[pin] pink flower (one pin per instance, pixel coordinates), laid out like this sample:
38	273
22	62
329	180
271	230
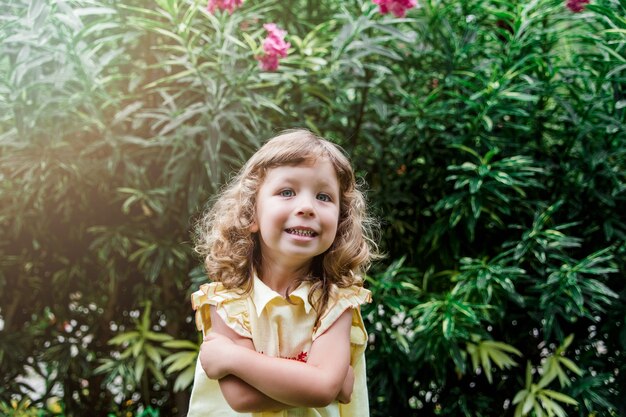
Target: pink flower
397	7
229	5
274	46
576	6
268	62
275	43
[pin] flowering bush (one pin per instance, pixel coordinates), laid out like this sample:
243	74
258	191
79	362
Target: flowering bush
508	117
274	47
397	7
229	5
576	6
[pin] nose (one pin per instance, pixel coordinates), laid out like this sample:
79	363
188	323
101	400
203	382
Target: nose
305	207
306	211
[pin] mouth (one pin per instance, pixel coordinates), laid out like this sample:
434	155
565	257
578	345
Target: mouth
301	232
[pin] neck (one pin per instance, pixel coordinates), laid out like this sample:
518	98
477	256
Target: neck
280	277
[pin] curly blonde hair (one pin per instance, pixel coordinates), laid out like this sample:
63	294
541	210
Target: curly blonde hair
231	251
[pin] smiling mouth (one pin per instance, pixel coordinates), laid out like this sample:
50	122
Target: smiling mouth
301	232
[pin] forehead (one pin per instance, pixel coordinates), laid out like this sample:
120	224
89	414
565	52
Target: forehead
320	172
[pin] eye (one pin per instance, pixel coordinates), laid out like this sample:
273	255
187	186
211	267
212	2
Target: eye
286	193
324	197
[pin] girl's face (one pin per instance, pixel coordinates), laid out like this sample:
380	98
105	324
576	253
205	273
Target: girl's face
297	213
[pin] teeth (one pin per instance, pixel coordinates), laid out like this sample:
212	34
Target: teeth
301	232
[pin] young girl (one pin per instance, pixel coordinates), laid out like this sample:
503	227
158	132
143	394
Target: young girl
285	244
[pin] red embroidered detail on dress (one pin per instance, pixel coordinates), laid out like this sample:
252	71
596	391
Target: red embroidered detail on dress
301	357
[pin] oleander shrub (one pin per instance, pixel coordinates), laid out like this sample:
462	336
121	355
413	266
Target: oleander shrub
491	135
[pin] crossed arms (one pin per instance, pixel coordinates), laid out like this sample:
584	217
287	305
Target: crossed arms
251	381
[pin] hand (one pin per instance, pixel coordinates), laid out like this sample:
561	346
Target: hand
215	352
346	389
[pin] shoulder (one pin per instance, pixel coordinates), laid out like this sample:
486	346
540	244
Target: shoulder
230	303
352	296
340	300
215	293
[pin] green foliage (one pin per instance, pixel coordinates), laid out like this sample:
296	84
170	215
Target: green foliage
147	412
20	408
182	364
484	187
538	399
486	352
142	356
491	134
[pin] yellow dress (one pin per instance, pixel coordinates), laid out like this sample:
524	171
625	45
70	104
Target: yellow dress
281	328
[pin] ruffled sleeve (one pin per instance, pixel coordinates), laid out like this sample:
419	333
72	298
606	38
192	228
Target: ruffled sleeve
229	304
342	299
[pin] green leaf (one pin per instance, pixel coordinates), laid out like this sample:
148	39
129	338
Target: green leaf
136	348
486	364
529	403
152	354
140	366
571	366
250	41
520	396
158	337
179	361
447	327
184	380
181	344
560	397
519	96
123	338
125	112
158	374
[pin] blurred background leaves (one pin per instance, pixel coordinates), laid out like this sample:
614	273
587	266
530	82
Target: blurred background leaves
491	135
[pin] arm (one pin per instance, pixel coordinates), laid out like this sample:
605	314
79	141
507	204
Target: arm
315	383
345	394
238	394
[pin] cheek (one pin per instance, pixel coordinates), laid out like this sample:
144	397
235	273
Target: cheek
333	223
336	217
337	223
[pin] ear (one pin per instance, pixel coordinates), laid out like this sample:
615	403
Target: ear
254	227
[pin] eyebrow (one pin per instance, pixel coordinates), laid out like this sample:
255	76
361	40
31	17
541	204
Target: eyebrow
323	185
328	184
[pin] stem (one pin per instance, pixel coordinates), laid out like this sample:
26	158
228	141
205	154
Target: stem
361	111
